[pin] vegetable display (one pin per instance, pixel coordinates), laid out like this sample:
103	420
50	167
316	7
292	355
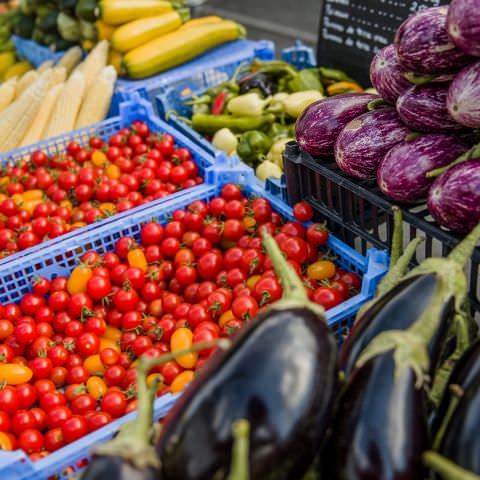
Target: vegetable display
45	196
431	75
201	276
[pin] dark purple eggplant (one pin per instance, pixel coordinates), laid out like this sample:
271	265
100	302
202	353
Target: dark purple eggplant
402	173
423	45
461	442
387	75
424	108
454	198
463	99
280	375
398	309
379	430
463	25
364	142
319	125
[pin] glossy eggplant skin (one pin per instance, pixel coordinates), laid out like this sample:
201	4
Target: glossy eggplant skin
465	374
103	467
281	375
398	309
379	429
461	442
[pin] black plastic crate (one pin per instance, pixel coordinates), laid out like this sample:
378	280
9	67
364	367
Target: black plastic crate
360	215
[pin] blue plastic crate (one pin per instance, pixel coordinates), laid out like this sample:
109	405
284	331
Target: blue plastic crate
35	53
134	109
211	68
62	256
172	99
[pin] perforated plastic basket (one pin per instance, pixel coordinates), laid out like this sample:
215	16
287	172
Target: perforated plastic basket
35	53
135	109
60	257
172	99
211	68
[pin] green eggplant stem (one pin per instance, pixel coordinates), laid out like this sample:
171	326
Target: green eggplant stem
374	104
443	427
397	238
418	79
240	469
446	468
294	293
474	152
464	250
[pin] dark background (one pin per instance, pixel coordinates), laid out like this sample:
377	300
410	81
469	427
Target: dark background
282	21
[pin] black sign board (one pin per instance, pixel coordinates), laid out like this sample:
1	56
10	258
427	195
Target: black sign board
352	31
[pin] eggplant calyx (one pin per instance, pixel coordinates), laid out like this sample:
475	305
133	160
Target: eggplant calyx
377	103
418	79
240	469
471	154
294	294
447	469
409	352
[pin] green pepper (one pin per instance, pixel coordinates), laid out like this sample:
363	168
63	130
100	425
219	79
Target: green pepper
205	123
306	80
253	145
278	131
333	74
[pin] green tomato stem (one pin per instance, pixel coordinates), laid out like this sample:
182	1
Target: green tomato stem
446	468
240	469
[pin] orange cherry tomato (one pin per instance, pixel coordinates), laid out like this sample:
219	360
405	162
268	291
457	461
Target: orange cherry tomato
181	339
99	159
112	333
96	387
249	224
14	374
181	381
77	282
113	171
136	258
94	365
109	343
252	281
5	442
226	317
321	270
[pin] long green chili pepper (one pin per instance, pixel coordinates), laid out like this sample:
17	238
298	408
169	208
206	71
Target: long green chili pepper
410	346
240	469
446	468
334	75
204	123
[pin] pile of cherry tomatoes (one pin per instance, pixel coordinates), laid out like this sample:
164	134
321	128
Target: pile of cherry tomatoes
69	348
43	197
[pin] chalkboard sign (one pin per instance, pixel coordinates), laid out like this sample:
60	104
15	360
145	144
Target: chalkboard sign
352	31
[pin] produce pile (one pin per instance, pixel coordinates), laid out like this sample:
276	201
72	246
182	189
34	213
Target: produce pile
45	196
419	143
253	114
200	277
54	99
388	405
147	36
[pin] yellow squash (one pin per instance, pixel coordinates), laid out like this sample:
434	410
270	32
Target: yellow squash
116	12
136	33
179	47
201	21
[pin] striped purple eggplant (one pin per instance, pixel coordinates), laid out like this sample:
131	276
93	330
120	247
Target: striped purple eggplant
319	125
454	199
387	75
402	173
463	25
364	142
423	45
424	108
463	99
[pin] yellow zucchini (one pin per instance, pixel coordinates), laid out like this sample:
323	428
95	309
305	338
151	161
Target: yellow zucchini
136	33
179	47
116	12
201	21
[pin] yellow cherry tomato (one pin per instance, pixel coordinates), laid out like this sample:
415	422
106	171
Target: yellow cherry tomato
99	159
14	374
136	258
27	196
181	381
76	225
30	205
321	270
109	343
96	387
5	442
67	204
2	196
250	224
181	339
77	282
4	181
151	378
252	281
226	317
113	172
108	208
94	365
112	333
